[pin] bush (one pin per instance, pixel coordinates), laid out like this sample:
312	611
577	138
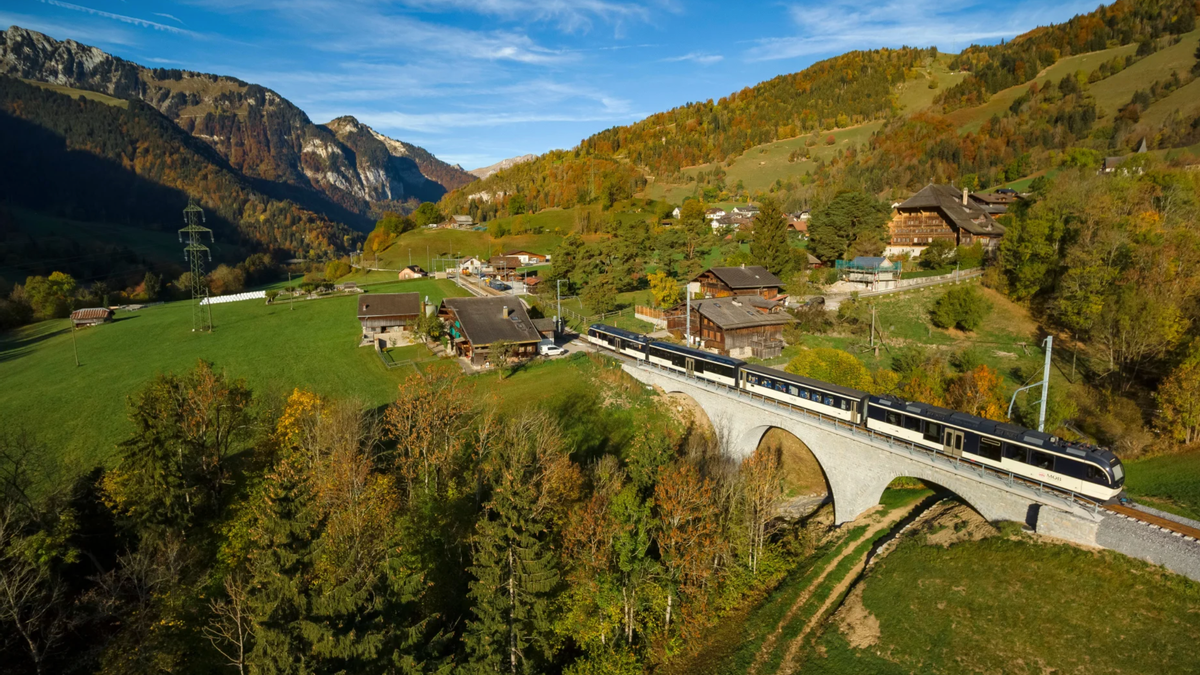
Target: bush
964	308
336	269
936	255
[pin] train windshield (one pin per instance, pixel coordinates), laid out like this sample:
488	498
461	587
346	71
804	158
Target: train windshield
1118	472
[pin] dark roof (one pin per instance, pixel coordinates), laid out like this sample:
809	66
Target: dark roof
415	268
92	313
389	304
870	261
948	200
544	324
482	319
519	252
731	313
505	261
747	276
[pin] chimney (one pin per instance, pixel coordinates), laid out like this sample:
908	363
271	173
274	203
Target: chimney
743	265
964	195
504	312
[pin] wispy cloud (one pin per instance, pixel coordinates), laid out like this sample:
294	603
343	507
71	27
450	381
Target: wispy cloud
835	27
132	20
168	16
697	57
447	122
570	15
103	35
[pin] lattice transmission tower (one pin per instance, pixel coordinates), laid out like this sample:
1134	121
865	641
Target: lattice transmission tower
195	252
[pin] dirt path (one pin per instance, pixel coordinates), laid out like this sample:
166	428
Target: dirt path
768	645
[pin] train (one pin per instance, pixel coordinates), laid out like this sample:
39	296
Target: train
1080	468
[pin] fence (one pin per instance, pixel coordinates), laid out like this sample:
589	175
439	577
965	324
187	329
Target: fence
236	297
653	315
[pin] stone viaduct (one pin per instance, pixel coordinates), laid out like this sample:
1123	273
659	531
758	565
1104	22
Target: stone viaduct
858	466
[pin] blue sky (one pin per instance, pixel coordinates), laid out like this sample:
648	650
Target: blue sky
475	81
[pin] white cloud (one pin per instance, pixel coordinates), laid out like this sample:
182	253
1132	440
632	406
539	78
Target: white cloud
141	23
570	15
103	35
843	25
697	57
168	16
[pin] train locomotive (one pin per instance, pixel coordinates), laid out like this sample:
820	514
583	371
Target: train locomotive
1080	468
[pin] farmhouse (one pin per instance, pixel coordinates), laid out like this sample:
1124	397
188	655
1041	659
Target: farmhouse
475	324
714	213
92	316
733	326
720	282
505	266
388	316
941	212
411	272
461	222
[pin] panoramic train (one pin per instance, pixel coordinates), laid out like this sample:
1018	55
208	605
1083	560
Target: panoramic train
1081	468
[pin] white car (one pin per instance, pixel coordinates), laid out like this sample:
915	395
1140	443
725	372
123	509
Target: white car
548	348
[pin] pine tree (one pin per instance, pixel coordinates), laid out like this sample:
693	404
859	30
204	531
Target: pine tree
515	568
770	247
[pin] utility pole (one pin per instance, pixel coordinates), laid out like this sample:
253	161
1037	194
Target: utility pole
74	345
687	293
291	293
1045	383
194	253
558	291
872	326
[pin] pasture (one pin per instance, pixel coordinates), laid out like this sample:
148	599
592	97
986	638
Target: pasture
80	412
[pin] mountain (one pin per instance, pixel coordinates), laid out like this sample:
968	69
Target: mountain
486	171
259	132
124	163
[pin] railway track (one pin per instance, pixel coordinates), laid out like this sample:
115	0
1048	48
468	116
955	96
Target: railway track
1152	520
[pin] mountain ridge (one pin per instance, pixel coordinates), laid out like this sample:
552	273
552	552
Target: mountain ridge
485	171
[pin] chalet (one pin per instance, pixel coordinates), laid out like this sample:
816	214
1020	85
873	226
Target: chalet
720	282
733	326
388	316
798	221
92	316
475	324
412	272
505	266
528	258
723	222
941	212
995	203
714	213
461	222
747	211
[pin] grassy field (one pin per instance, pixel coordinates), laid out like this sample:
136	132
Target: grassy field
75	93
1185	100
424	244
81	413
1115	91
1015	605
759	167
915	95
1168	483
970	119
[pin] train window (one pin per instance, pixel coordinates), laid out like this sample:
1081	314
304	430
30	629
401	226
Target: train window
1015	453
1095	474
780	386
933	432
892	418
958	438
793	391
989	449
828	400
804	394
1042	460
767	383
753	379
912	423
845	404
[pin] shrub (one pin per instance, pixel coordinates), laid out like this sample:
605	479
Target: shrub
964	308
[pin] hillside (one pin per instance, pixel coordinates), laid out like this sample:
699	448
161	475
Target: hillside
485	171
90	161
256	130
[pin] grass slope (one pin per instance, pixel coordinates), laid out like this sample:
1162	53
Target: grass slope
75	93
81	413
1115	91
1014	605
1169	483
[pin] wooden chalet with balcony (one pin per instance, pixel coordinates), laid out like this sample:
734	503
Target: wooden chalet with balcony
941	212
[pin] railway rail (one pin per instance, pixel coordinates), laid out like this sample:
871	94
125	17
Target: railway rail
1179	529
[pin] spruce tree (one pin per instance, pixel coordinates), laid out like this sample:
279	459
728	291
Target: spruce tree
770	247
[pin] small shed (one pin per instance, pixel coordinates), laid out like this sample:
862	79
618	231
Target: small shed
92	316
388	312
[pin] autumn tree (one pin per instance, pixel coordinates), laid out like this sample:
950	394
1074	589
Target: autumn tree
770	247
515	569
761	489
50	296
428	422
687	534
978	392
665	290
175	466
225	280
1179	397
427	214
831	365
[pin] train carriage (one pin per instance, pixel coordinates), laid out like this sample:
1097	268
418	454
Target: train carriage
621	341
1084	469
836	401
695	362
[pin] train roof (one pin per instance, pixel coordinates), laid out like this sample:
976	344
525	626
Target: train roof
619	332
806	381
698	353
1011	432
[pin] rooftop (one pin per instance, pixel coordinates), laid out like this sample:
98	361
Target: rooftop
948	200
746	276
389	304
482	319
731	313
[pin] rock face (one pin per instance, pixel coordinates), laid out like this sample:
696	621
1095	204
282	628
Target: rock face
486	171
256	130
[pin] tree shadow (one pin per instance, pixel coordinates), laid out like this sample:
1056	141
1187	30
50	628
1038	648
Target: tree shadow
13	346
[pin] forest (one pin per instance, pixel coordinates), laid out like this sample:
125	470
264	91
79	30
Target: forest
241	533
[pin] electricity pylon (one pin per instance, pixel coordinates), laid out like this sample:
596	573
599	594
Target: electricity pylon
195	252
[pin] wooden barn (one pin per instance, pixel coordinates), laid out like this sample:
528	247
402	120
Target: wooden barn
381	313
721	282
737	326
92	316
